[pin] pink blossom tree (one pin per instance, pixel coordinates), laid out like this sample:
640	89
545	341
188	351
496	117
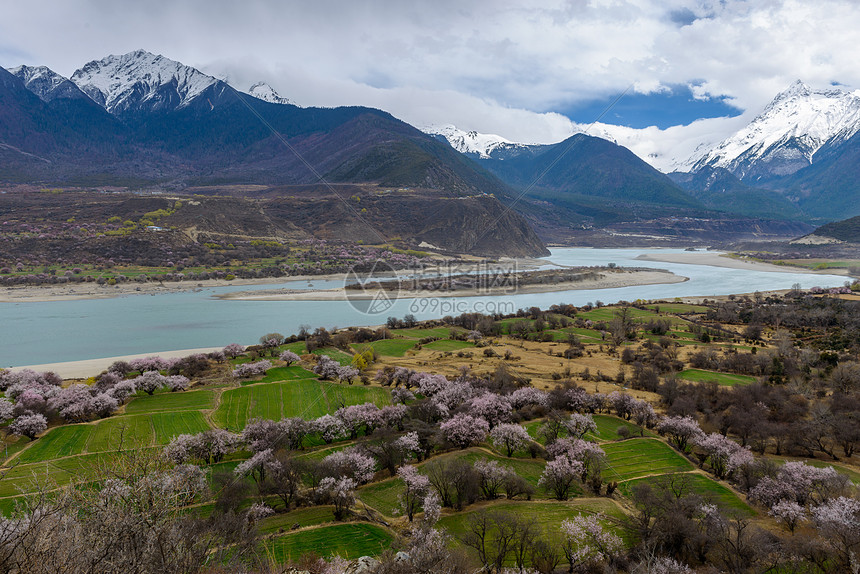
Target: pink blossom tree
680	430
247	370
789	513
724	454
409	445
429	385
492	476
122	390
262	434
589	455
352	463
838	523
416	486
340	492
6	410
455	394
346	373
103	404
233	350
587	543
528	396
560	475
365	416
491	407
464	430
326	367
801	483
393	415
257	466
289	357
330	428
401	395
511	437
578	425
29	425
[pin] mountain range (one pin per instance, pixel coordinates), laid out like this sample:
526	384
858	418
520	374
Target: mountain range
797	159
141	120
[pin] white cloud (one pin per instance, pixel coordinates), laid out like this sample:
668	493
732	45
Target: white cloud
500	68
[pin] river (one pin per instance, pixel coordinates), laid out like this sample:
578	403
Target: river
58	331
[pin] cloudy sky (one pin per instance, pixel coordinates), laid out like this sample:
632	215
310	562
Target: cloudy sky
527	70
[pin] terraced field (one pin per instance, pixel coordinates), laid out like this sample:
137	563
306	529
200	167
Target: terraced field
129	431
348	541
727	379
548	514
304	398
382	496
712	491
185	401
441	332
607	428
640	457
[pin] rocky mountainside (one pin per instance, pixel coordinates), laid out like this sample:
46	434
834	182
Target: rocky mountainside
142	82
47	84
140	120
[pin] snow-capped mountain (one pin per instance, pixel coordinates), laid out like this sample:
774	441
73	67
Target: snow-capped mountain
473	143
491	146
265	92
46	83
141	81
784	138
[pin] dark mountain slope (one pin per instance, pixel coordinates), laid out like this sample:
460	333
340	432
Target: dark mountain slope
719	189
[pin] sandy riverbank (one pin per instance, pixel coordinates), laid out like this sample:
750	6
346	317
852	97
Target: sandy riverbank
92	367
609	280
718	259
80	291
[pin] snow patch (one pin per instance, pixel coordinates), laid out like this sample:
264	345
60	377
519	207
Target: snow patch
265	92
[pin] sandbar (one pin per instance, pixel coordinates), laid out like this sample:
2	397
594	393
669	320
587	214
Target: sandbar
609	280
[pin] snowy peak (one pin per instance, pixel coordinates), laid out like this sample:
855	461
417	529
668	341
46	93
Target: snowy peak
471	142
786	135
46	83
265	92
141	81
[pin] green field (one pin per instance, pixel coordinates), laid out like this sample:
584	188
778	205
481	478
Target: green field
448	345
607	428
711	490
382	496
387	347
304	398
548	514
301	516
677	308
291	373
529	469
636	458
349	541
335	354
113	433
185	401
606	314
702	376
441	332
